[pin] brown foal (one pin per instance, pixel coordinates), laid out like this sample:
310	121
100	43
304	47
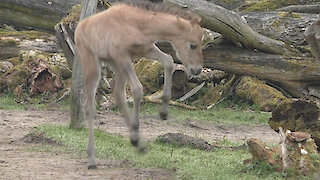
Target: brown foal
127	31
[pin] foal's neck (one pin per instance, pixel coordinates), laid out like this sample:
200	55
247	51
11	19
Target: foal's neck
167	27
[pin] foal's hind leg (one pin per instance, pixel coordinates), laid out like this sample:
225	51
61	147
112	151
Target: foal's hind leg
167	62
91	76
125	72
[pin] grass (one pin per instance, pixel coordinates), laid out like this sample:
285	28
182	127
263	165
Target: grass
12	102
227	113
220	115
187	163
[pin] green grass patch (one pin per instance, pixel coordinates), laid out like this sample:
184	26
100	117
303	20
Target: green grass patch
227	113
186	162
221	115
12	102
8	102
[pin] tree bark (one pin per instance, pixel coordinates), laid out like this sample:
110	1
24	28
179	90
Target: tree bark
65	39
77	95
230	25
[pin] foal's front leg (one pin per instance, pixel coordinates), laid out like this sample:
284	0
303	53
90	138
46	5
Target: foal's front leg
167	62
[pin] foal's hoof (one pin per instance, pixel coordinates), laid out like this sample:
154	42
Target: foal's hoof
134	142
163	116
141	149
93	167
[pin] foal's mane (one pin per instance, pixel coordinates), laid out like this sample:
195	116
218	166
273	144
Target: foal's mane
163	8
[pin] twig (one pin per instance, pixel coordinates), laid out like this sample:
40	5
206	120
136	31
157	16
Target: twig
65	94
284	150
152	99
191	92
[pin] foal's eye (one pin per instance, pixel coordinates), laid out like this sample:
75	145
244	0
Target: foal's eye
193	46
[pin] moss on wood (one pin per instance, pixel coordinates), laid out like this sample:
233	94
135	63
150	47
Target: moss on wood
74	15
261	94
298	115
289	14
29	35
216	93
149	73
33	69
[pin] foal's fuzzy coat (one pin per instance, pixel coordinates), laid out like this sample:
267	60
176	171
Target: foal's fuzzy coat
127	31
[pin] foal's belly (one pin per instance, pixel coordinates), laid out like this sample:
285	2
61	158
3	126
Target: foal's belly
138	50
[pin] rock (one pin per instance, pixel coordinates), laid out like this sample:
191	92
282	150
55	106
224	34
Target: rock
180	139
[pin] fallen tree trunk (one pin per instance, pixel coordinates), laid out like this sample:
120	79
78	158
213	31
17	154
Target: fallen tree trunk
230	25
299	77
284	26
34	14
296	76
312	8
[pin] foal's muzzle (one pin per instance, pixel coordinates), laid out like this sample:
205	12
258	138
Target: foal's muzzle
195	70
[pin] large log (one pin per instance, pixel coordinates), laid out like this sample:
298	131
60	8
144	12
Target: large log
230	25
297	76
312	8
34	14
287	27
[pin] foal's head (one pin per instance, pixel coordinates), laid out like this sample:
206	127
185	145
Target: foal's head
189	46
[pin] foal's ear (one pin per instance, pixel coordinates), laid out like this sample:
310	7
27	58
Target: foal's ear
181	24
196	20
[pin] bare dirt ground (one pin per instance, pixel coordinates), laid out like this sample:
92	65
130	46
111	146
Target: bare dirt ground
18	163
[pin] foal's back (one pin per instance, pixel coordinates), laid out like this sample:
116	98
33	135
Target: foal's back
117	28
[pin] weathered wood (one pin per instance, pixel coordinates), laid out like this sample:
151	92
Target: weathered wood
312	34
77	94
34	14
155	98
191	92
296	75
298	115
65	39
284	26
12	42
297	149
311	8
260	153
230	25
